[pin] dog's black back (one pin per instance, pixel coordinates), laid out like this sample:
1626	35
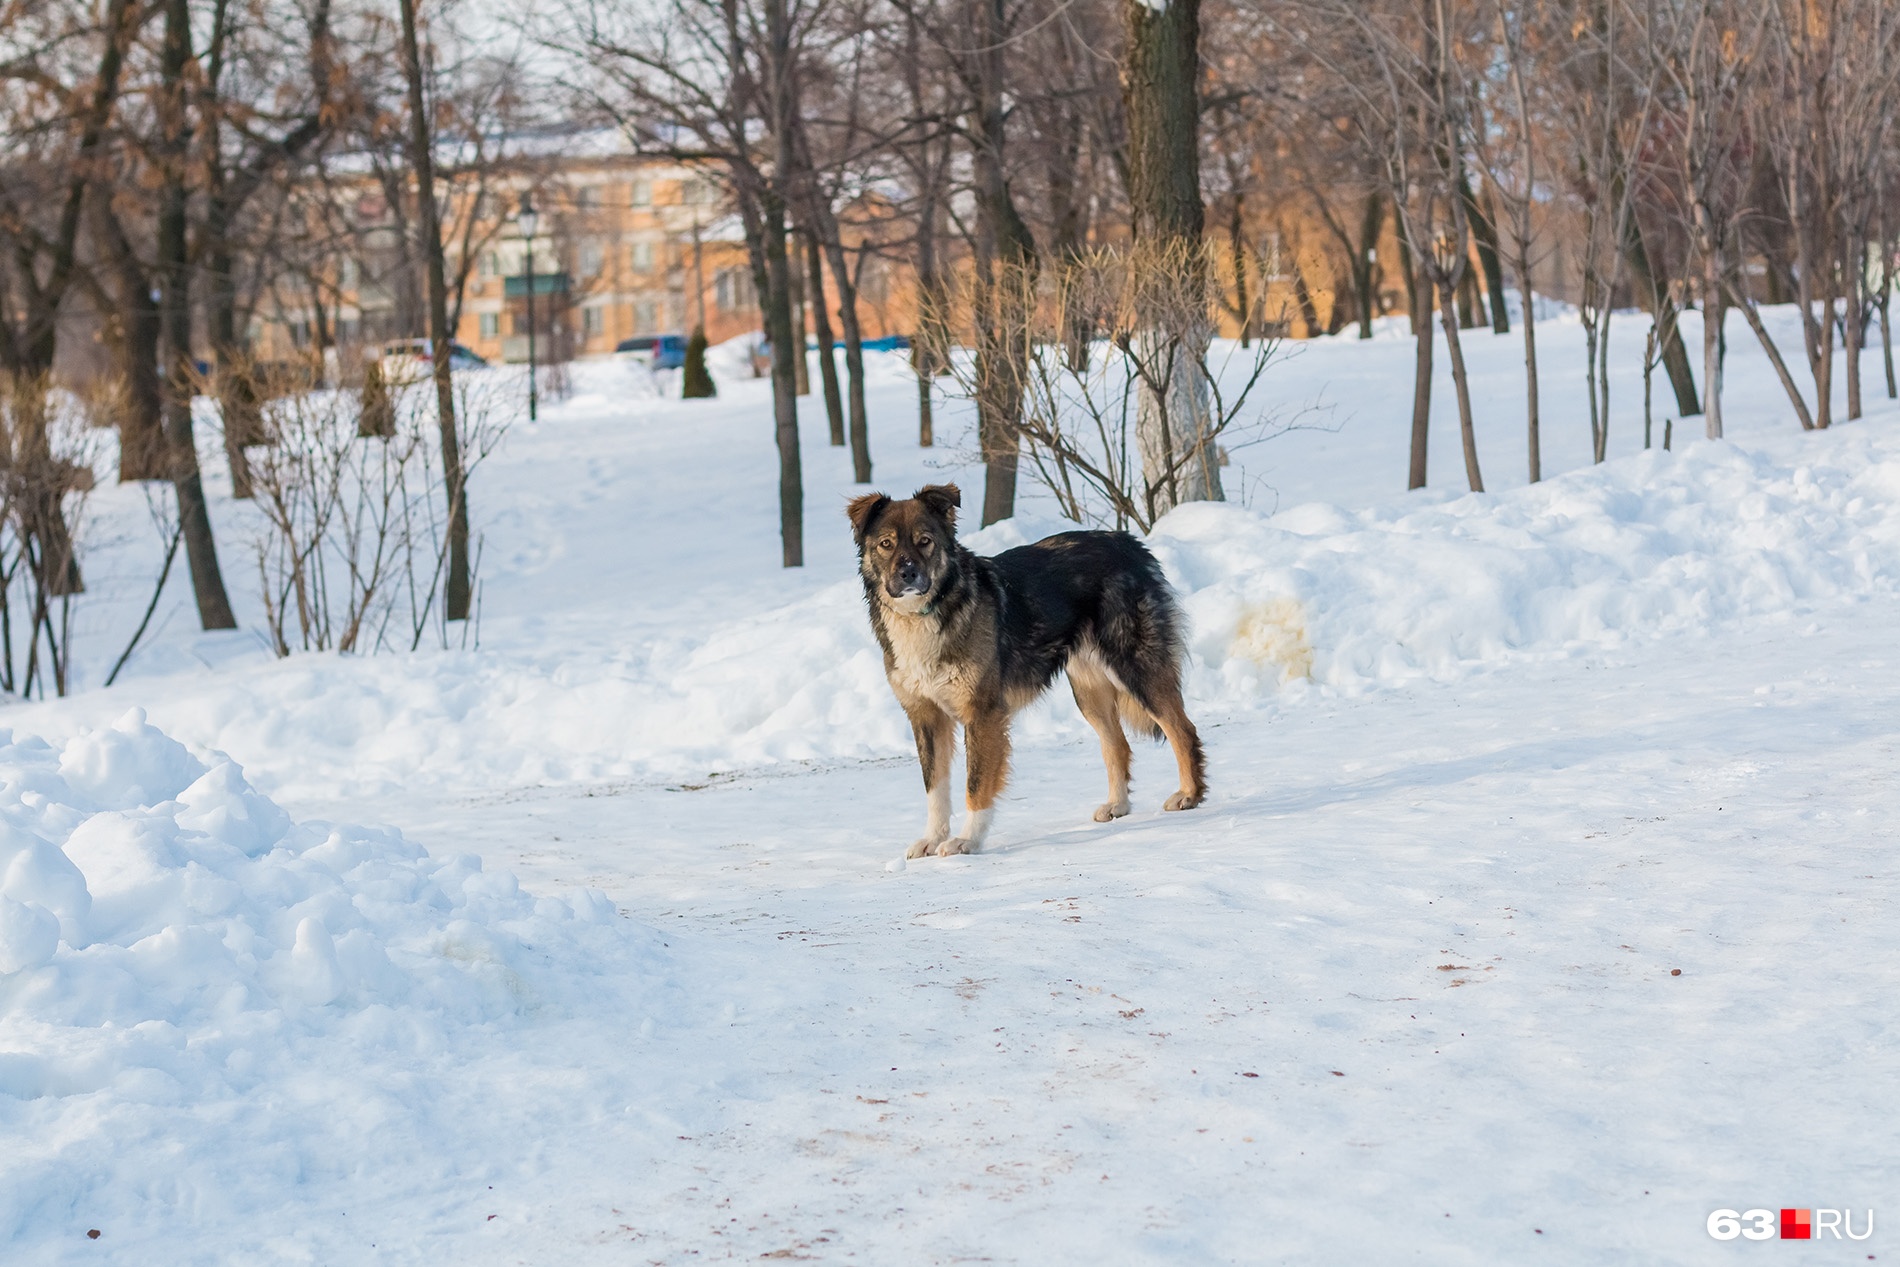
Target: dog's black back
1099	592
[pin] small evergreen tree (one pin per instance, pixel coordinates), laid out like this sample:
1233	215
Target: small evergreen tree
377	416
697	382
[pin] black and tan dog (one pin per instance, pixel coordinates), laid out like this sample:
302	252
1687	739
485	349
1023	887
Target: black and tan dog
973	640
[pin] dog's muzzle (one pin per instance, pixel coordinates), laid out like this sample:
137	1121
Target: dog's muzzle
906	580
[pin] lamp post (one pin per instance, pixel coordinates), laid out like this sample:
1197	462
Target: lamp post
529	219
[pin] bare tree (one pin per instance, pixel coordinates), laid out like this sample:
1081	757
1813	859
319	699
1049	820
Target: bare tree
705	81
1514	174
1707	54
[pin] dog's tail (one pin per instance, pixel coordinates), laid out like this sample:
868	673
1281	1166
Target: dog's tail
1143	638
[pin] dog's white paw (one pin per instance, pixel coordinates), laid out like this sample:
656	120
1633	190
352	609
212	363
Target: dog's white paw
924	847
954	845
1181	800
1111	811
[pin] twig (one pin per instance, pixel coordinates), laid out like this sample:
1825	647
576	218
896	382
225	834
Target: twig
171	552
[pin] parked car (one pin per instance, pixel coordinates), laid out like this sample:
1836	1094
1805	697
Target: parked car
408	360
656	351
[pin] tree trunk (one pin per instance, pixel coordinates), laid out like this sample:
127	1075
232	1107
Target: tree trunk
801	367
1237	249
1788	384
1161	98
133	333
1886	343
1421	379
1484	230
827	364
1369	226
174	262
1652	292
1530	371
1449	318
787	355
1855	333
1711	335
853	356
1600	372
778	329
929	349
1066	231
239	408
1006	271
456	587
1303	296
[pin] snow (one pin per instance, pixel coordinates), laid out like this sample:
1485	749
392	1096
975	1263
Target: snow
624	969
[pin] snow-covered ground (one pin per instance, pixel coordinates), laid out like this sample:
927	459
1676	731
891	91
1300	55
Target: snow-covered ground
1542	905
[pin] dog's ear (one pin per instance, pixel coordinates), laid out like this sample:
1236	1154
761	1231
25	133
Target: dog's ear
942	501
863	512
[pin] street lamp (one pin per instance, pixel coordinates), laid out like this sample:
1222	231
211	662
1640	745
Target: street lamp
529	219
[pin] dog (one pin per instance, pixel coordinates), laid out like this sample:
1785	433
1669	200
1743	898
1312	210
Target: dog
975	640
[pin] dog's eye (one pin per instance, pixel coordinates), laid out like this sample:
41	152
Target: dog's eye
923	543
885	544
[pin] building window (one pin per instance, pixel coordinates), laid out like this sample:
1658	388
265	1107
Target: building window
592	258
491	264
584	197
640	255
491	325
593	321
642	193
732	289
644	317
872	284
697	193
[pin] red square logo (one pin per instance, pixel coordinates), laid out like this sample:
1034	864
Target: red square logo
1797	1225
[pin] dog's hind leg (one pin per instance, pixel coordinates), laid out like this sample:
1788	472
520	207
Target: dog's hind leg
1171	715
986	750
936	733
1095	695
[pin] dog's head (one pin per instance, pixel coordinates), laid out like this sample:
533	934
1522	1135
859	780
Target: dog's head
906	548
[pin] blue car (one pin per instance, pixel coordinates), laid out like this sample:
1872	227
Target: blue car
656	351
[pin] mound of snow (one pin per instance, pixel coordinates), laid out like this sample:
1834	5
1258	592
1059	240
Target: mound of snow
1648	546
156	912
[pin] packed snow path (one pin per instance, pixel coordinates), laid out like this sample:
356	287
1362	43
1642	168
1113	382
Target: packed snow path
1404	989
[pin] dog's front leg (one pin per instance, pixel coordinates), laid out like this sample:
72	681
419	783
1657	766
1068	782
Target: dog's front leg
986	749
936	733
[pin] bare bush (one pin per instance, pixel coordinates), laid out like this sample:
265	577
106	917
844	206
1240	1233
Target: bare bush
354	546
47	452
1147	311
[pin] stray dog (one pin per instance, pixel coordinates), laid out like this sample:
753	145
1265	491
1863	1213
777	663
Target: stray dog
974	640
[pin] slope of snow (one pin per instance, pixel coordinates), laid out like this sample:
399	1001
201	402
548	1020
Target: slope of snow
1488	771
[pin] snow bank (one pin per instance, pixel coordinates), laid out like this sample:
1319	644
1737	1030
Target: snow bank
1648	546
159	917
1432	585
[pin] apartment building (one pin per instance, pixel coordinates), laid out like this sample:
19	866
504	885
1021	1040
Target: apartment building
623	245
